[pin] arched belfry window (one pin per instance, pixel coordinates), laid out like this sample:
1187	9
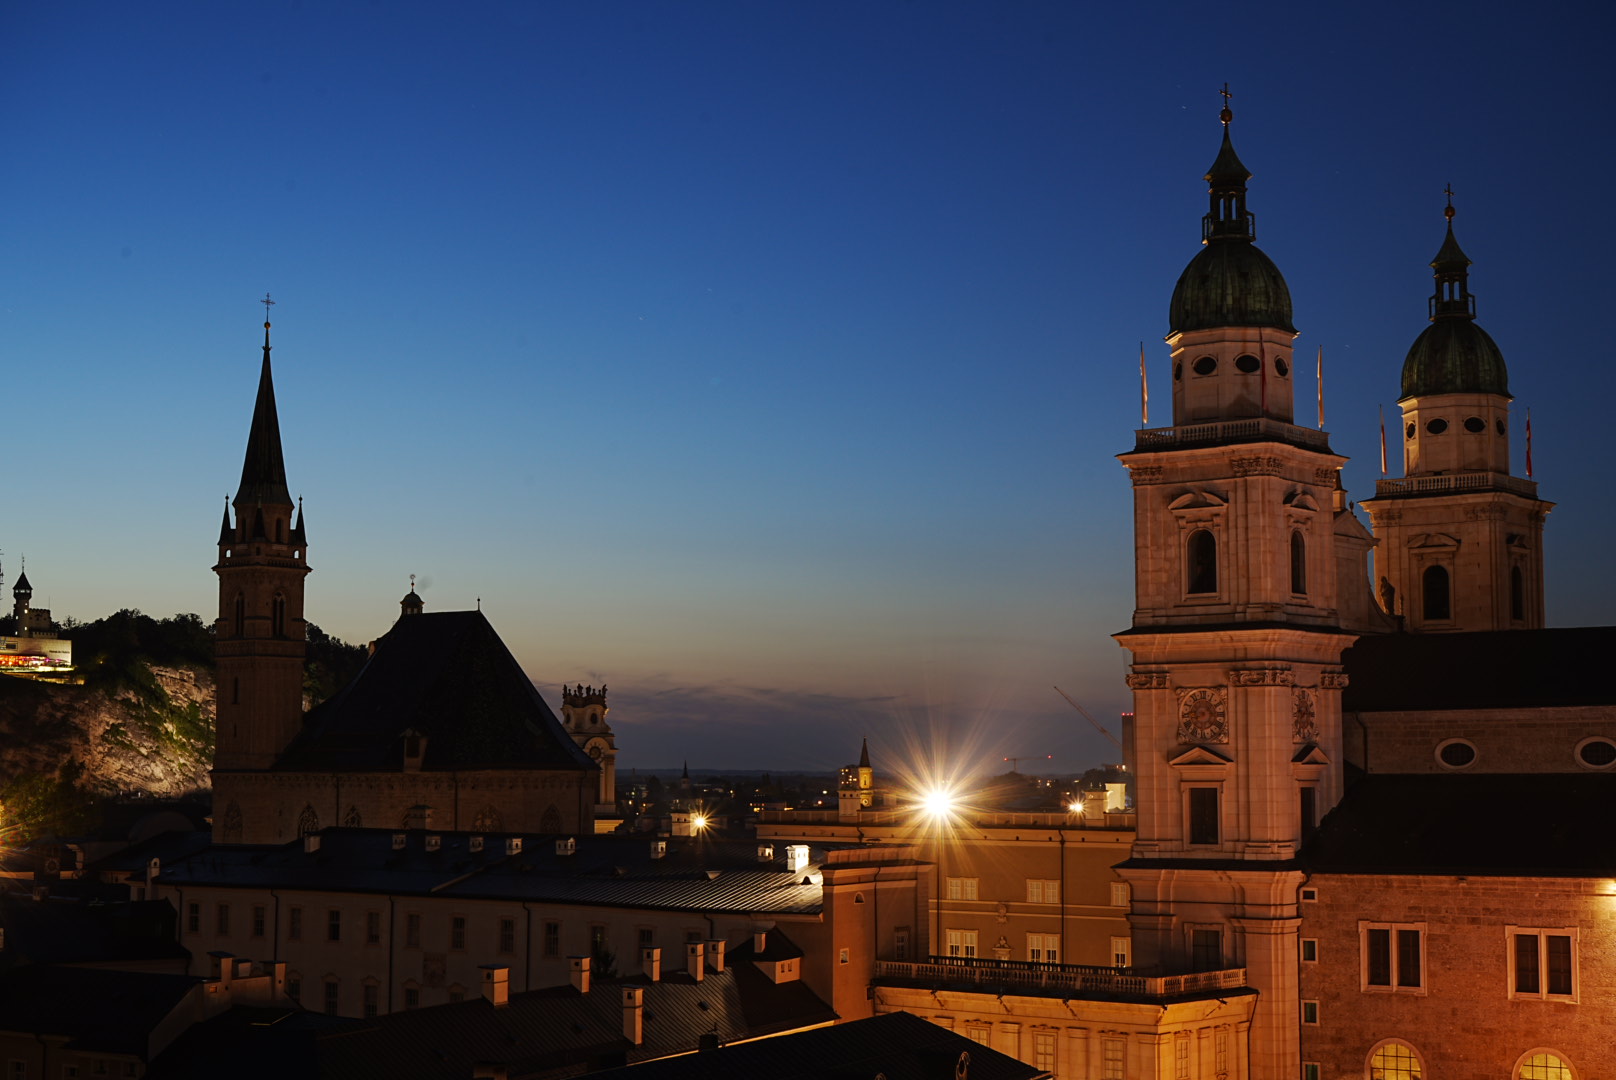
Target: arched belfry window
239	619
1434	592
1517	594
1298	563
1201	562
278	616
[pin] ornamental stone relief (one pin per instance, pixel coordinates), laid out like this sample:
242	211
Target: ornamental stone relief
1304	717
1333	680
1486	513
1201	717
1256	466
1148	680
1145	474
1324	476
1262	677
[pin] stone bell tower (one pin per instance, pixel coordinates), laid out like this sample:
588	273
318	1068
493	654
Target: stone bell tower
1236	641
583	714
1461	540
259	642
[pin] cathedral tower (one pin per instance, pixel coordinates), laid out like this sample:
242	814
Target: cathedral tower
1236	640
1461	539
583	714
259	642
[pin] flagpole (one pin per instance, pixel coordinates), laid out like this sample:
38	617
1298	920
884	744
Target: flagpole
1382	440
1321	387
1144	390
1529	443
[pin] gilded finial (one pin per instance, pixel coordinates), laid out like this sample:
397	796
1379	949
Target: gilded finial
1226	114
268	303
1448	191
412	583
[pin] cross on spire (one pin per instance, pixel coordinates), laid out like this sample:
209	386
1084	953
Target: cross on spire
1448	191
1226	114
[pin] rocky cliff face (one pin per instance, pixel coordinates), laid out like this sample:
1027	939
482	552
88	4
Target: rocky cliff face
155	742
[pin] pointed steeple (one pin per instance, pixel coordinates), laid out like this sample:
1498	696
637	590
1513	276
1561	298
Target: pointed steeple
1452	266
227	535
1227	218
263	472
300	538
864	755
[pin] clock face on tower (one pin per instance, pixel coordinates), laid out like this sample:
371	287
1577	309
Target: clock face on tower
1200	716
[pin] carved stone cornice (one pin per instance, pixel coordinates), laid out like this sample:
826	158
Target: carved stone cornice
1147	680
1324	476
1144	474
1256	466
1263	676
1333	680
1486	513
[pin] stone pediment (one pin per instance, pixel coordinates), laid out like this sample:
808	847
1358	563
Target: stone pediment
1433	540
1199	755
1300	500
1311	754
1198	500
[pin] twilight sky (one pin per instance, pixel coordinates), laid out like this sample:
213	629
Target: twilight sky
766	361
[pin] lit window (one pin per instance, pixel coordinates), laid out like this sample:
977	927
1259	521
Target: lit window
962	888
1041	891
1543	1065
1113	1059
1393	957
1181	1056
1119	894
1043	948
977	1033
961	942
1394	1061
1542	963
1043	1051
1121	951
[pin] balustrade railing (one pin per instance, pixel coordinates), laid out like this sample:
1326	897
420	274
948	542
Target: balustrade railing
1068	980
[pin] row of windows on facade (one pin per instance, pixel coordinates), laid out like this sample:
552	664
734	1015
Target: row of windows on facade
1592	752
1201	563
1245	365
1039	890
1113	1051
1541	962
1041	948
550	932
1436	594
1206	815
1475	425
1398	1060
277	616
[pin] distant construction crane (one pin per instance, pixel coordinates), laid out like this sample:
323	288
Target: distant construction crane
1015	762
1089	718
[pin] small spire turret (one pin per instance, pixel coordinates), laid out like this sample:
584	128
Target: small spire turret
1452	296
1227	218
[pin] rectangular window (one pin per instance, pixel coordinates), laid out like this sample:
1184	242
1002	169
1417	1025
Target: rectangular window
258	918
977	1033
1310	896
457	932
900	943
412	931
1206	950
1310	811
1310	1012
294	987
1393	957
372	993
193	918
1043	1051
1121	951
1181	1056
1043	891
373	928
1119	894
552	939
1204	828
333	925
412	997
647	937
294	924
222	919
507	936
1043	948
1310	950
962	888
1542	963
1310	1071
331	997
961	942
1112	1059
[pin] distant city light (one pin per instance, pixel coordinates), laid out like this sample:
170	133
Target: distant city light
1074	808
698	822
938	803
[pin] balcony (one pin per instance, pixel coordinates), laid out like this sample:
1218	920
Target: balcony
1453	483
1055	980
1257	429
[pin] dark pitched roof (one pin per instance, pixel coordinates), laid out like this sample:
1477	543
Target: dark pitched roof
446	676
1495	669
1442	824
551	1032
263	469
899	1046
53	932
95	1010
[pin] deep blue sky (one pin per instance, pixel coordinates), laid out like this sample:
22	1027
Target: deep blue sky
766	361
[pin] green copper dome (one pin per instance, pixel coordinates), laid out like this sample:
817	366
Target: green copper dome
1454	356
1230	283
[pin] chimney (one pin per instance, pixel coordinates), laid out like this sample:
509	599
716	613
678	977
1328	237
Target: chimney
418	816
398	841
567	845
277	976
226	963
695	960
580	973
497	984
796	857
513	845
659	848
153	868
476	844
434	842
715	955
760	941
311	843
650	964
708	1040
634	1014
765	853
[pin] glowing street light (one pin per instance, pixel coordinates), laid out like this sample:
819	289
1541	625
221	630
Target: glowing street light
938	803
699	822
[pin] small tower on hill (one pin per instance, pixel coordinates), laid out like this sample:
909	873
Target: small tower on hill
1461	540
259	642
583	714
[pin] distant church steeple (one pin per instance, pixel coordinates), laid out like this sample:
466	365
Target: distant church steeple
259	639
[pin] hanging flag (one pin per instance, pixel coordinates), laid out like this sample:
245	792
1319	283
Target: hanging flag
1144	390
1321	387
1383	440
1529	444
